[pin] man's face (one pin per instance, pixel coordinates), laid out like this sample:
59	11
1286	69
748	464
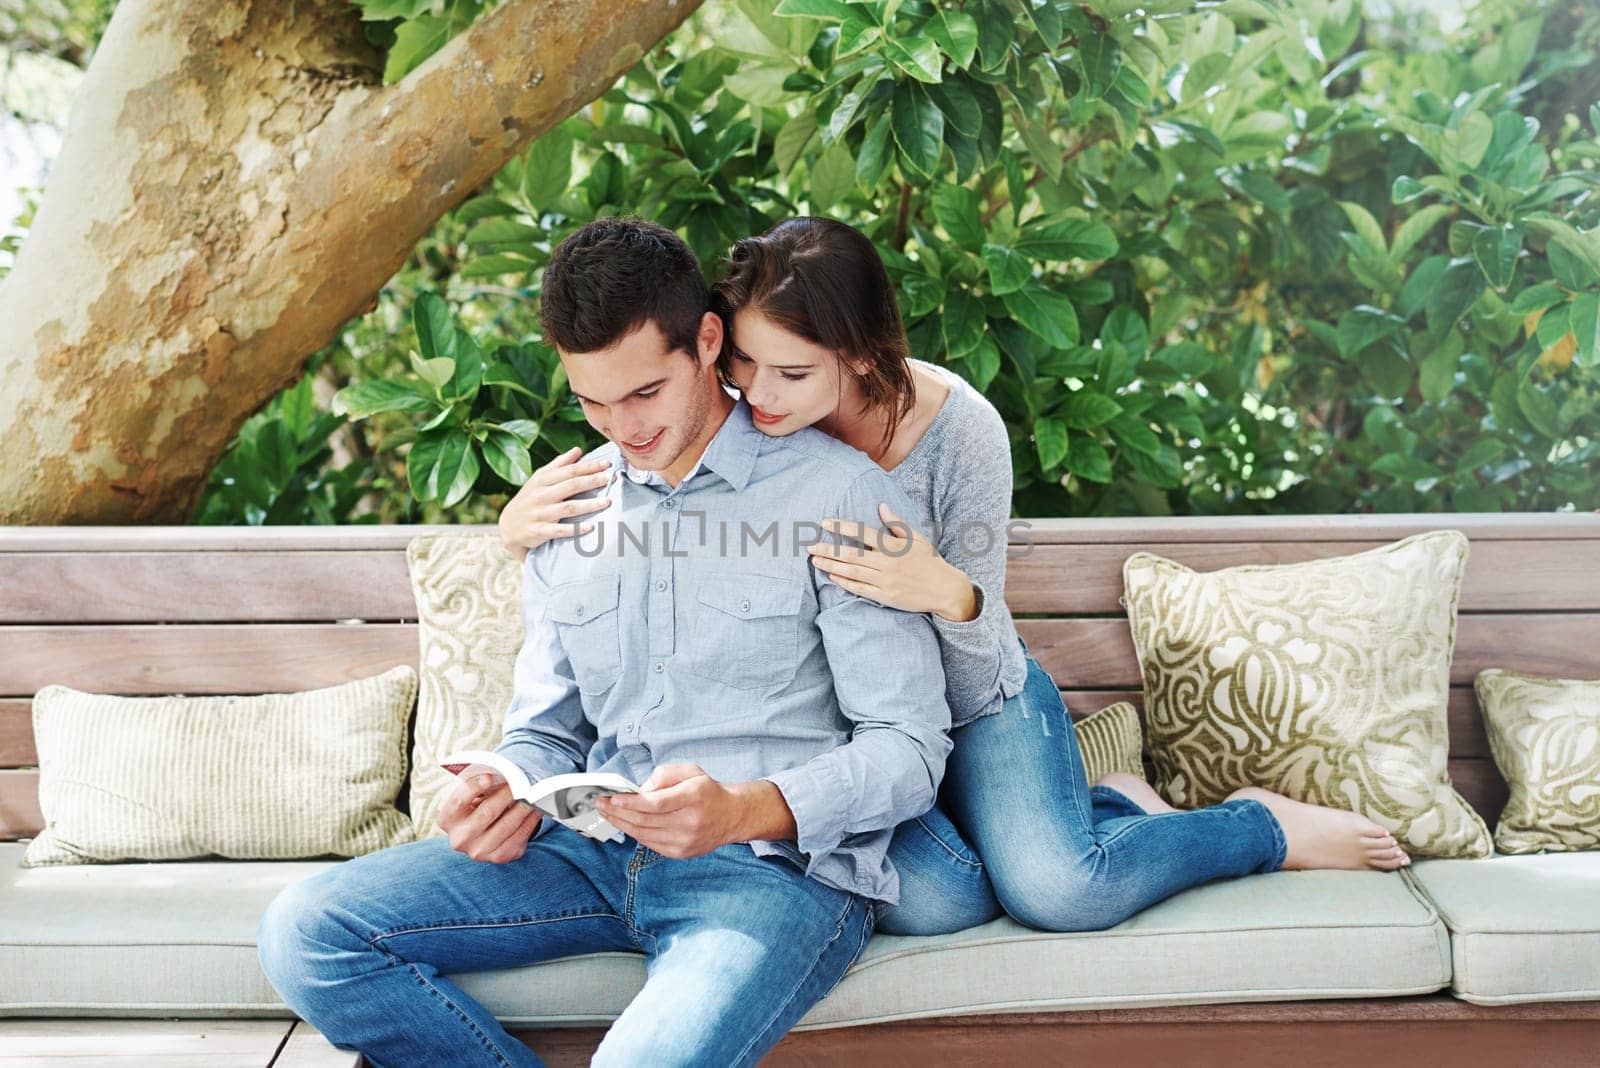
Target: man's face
652	401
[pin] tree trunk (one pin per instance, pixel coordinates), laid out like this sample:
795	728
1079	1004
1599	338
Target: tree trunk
234	186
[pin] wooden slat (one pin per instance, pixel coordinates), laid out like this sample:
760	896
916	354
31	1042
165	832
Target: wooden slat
200	659
141	1043
311	585
16	733
1098	653
215	586
1517	526
263	658
1502	576
19	804
309	1048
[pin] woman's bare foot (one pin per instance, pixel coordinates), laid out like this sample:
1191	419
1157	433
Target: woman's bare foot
1136	790
1321	837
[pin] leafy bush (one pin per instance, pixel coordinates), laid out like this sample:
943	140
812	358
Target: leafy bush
1240	257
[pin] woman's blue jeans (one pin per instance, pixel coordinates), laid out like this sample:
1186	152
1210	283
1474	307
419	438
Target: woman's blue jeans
1047	848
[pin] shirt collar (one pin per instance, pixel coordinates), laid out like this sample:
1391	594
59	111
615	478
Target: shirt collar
731	453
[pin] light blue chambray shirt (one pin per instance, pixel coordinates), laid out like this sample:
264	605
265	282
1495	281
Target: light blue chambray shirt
690	627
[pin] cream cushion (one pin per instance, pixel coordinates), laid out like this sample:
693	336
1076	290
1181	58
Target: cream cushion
1326	680
468	591
1545	738
1111	740
269	776
1521	928
179	939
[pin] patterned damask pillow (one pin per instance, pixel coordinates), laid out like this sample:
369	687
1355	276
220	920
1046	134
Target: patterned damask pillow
469	620
1545	737
1326	681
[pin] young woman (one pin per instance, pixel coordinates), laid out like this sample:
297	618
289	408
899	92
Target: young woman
814	338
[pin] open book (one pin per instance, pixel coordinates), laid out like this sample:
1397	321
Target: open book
568	799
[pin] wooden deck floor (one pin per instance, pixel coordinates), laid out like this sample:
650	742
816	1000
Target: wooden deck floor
61	1043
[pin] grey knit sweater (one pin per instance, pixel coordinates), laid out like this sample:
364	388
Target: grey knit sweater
960	473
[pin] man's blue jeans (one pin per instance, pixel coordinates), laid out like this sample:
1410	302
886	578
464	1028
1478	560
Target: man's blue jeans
1019	829
738	947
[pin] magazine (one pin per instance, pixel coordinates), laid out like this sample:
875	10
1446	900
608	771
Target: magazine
567	799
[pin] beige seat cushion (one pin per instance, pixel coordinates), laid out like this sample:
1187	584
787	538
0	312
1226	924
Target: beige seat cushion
1521	928
1326	680
1545	737
262	777
179	939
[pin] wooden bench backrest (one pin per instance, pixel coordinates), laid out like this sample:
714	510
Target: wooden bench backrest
231	610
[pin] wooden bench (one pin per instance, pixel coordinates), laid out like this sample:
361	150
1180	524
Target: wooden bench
213	610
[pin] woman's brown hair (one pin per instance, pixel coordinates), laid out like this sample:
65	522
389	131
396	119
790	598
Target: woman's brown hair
824	281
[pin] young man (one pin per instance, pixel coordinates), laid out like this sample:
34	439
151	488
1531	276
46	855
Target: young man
780	726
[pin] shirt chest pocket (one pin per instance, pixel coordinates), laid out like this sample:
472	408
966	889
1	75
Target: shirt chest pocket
746	630
587	621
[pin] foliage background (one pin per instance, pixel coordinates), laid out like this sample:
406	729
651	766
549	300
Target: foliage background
1236	257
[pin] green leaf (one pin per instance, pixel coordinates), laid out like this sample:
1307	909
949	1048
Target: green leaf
507	456
1367	227
918	127
1084	408
378	395
827	10
1405	467
1479	453
959	106
547	168
1458	288
1362	325
792	140
917	56
957	35
1205	72
468	370
995	34
524	430
1067	239
1537	298
963	322
1436	374
436	334
874	150
442	466
1541	411
1088	459
1044	312
1100	57
435	372
985	363
1387	369
1585	322
414	41
1009	271
1050	439
1416	228
959	212
1582	245
1496	252
832	175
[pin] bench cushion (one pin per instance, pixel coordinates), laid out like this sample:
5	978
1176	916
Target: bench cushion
178	938
1524	928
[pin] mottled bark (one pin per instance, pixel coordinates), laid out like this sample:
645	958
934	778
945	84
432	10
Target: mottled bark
235	184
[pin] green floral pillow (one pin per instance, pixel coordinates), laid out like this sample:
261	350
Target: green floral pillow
1545	737
1326	681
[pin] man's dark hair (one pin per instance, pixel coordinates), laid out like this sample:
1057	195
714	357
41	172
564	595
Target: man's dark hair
612	276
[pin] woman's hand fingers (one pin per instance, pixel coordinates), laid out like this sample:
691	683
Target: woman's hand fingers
851	530
858	572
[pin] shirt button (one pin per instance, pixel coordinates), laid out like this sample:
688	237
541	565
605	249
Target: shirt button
578	611
660	667
628	727
670	502
661	584
744	606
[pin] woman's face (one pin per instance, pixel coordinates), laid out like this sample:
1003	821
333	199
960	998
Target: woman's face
789	382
